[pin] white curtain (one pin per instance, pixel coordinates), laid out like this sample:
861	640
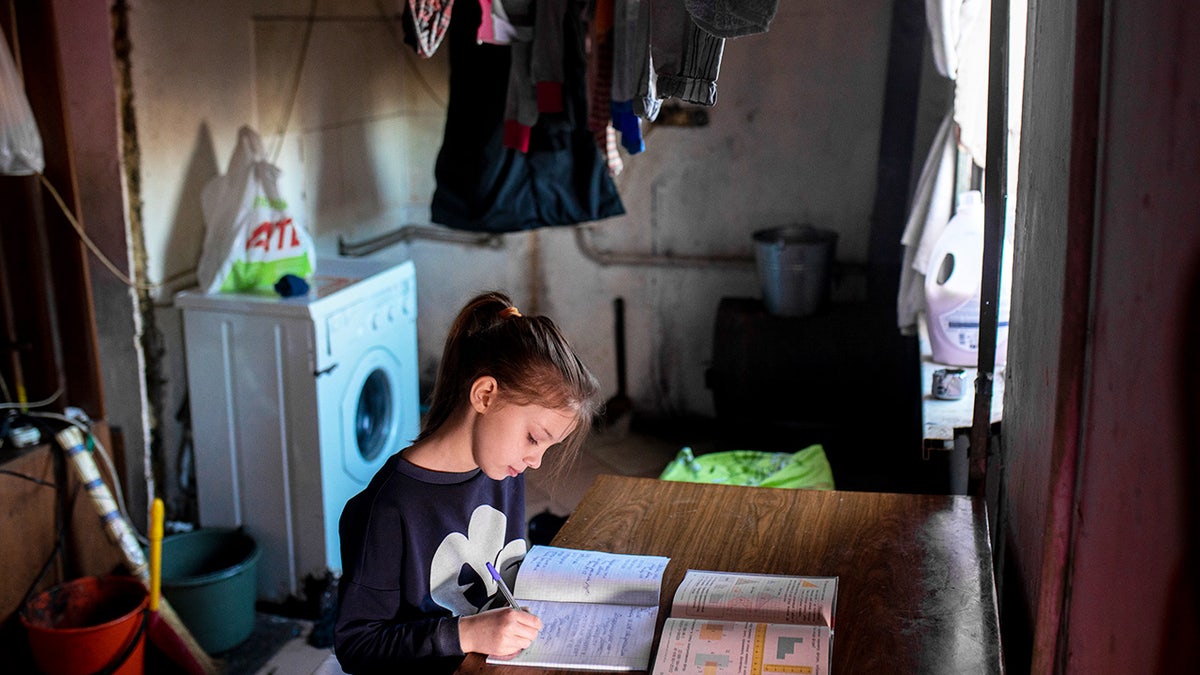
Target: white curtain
958	31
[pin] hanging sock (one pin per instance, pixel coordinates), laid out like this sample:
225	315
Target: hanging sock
626	122
612	157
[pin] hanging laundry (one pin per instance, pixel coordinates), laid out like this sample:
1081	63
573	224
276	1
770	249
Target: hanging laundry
487	28
425	24
625	121
520	107
600	70
611	155
535	77
658	52
639	67
630	64
686	59
484	186
732	18
548	46
631	47
494	26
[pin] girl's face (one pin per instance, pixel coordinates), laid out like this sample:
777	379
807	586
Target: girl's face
507	439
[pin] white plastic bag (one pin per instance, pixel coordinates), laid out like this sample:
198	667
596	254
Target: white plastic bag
250	238
20	142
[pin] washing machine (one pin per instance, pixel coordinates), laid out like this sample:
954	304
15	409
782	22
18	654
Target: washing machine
295	404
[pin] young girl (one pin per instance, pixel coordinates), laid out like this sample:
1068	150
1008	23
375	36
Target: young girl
416	541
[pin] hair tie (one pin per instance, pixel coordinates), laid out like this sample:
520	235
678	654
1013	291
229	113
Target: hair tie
509	312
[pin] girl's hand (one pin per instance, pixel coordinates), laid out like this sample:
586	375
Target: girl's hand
498	632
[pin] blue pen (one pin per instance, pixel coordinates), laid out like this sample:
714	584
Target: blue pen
512	602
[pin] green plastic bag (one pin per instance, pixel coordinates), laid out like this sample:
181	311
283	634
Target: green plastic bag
808	468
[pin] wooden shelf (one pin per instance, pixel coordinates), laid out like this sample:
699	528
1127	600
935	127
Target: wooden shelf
942	420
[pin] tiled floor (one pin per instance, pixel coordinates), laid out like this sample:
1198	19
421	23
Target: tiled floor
553	487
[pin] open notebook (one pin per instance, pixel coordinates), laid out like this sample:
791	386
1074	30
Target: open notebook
725	623
598	609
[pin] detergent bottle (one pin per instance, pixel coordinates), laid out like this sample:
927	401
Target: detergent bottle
952	288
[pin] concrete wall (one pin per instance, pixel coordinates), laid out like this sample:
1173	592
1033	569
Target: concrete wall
794	137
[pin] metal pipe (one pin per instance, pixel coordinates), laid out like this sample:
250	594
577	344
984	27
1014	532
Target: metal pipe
408	233
995	196
635	259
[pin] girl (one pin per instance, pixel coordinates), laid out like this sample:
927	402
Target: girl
416	541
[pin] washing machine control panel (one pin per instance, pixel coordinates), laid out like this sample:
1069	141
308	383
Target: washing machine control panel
378	313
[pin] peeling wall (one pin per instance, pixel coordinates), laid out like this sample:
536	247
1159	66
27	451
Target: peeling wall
793	138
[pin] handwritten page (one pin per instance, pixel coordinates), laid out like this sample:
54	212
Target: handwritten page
598	609
590	637
573	575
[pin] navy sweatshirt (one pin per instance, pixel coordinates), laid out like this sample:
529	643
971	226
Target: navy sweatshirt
414	547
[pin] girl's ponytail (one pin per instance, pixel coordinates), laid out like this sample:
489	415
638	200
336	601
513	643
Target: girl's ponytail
528	355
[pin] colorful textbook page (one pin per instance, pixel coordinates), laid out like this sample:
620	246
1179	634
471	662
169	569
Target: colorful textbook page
598	610
737	624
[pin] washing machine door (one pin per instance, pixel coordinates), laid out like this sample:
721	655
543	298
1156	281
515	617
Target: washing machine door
372	414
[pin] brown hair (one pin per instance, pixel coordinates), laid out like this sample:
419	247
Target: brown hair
528	356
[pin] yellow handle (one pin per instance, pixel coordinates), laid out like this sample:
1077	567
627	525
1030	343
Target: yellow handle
156	535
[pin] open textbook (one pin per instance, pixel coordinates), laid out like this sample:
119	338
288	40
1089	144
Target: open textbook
598	610
736	624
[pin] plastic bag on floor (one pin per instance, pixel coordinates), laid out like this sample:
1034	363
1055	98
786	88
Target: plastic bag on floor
808	468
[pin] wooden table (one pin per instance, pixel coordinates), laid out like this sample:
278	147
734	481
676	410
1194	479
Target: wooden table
915	593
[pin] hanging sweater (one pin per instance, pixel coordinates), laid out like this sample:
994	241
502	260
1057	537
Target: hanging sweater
485	186
414	547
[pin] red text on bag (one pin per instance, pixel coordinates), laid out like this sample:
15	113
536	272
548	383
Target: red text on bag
262	237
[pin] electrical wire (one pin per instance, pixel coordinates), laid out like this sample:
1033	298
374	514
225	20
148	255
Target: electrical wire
93	442
32	404
98	447
295	90
287	114
60	537
310	21
95	250
32	479
408	54
60	519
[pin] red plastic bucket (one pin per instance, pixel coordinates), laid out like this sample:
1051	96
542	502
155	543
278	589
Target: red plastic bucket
89	625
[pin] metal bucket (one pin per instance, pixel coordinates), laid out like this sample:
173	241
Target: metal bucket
794	266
